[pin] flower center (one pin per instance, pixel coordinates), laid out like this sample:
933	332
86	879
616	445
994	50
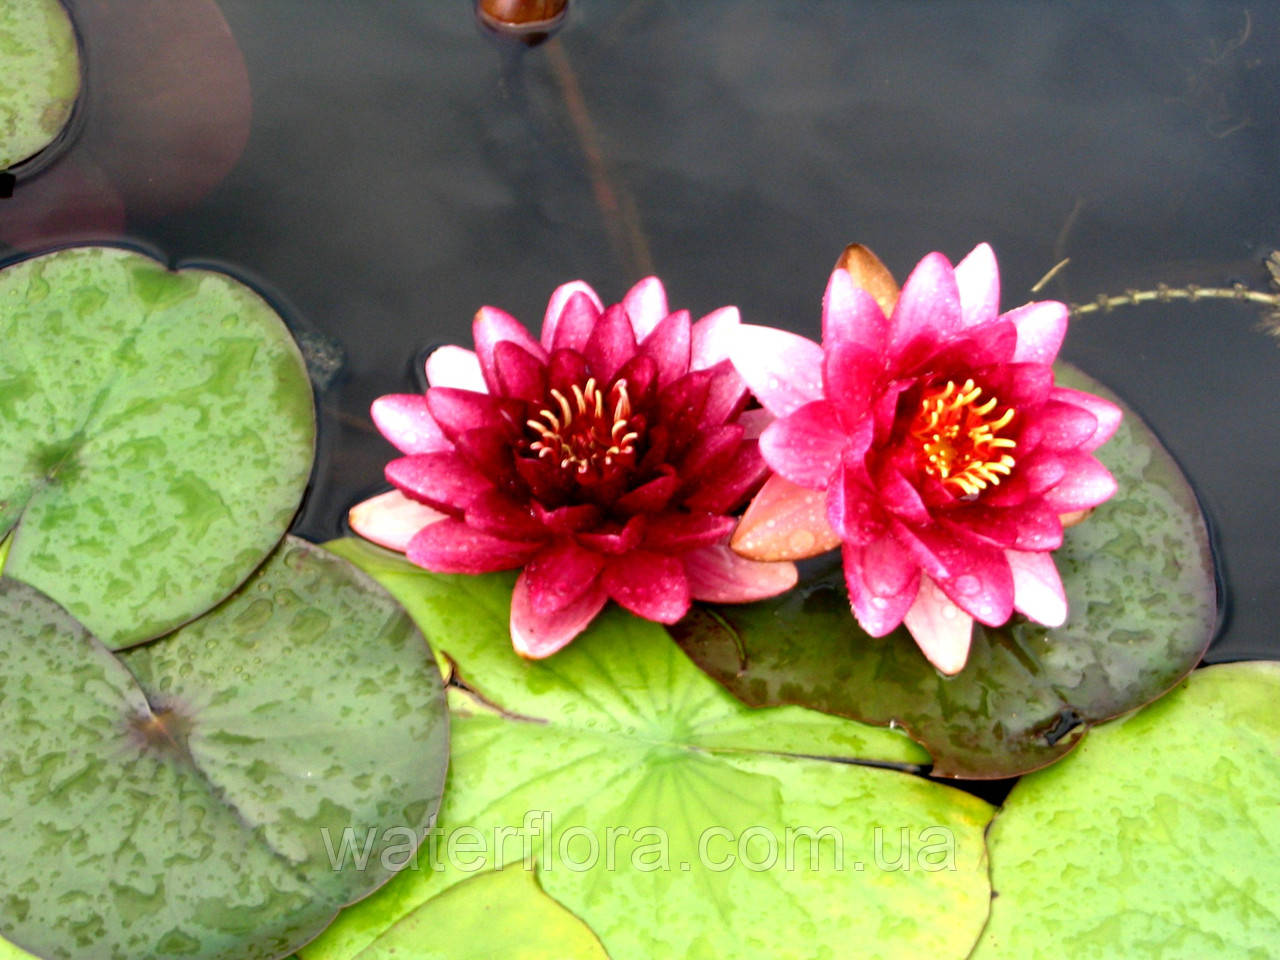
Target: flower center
960	440
587	432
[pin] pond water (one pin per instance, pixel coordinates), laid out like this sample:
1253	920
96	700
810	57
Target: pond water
400	168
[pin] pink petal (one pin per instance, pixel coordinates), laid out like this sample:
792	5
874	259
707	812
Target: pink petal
536	635
941	630
391	519
668	344
878	613
851	313
1042	325
618	542
972	573
490	327
978	280
898	495
520	374
718	575
1107	413
580	315
784	522
451	366
806	446
929	304
1085	484
443	480
559	575
650	585
712	337
650	497
730	489
457	411
755	422
646	306
451	546
853	378
611	344
494	512
1065	426
782	369
403	419
1026	526
1037	588
712	451
726	394
854	509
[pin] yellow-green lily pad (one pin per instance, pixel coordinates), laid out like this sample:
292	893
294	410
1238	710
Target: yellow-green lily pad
39	76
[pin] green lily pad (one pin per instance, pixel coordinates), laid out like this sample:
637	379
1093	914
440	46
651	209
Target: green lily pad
660	810
39	76
190	799
156	436
503	913
1140	584
1159	837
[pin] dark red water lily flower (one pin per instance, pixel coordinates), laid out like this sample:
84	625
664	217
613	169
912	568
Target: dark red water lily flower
927	438
605	459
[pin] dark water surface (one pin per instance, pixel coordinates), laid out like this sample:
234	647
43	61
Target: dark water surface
402	169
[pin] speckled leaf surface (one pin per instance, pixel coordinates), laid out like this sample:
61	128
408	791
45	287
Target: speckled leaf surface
619	746
156	436
502	913
39	76
184	801
1140	584
1159	837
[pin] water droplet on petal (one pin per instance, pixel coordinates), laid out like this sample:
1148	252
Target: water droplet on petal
967	585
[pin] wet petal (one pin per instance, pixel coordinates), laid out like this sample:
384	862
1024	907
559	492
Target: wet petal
403	419
712	337
972	573
929	305
718	575
878	608
806	446
611	344
650	585
451	546
443	480
1041	328
457	411
1085	483
535	635
782	369
668	344
941	630
1107	414
391	519
560	575
1037	588
679	533
850	313
1065	426
784	522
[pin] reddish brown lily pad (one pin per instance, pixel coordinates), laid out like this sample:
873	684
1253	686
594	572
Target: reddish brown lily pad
1140	582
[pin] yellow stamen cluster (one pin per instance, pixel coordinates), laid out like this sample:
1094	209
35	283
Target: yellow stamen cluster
958	443
577	435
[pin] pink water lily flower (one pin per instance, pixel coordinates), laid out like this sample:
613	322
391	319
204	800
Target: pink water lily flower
605	459
927	438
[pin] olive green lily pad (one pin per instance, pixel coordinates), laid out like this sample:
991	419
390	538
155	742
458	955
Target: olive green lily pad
673	820
39	76
503	913
191	799
156	436
1159	837
1139	578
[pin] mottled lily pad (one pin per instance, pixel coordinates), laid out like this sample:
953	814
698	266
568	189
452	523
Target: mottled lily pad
503	913
39	76
186	801
1143	606
630	779
156	436
1159	837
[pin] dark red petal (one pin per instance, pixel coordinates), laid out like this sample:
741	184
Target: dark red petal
566	368
669	345
711	452
490	327
726	395
457	411
573	327
496	513
681	405
650	585
489	450
611	344
451	546
677	533
520	374
616	541
806	446
445	481
650	497
568	519
728	490
641	375
560	574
